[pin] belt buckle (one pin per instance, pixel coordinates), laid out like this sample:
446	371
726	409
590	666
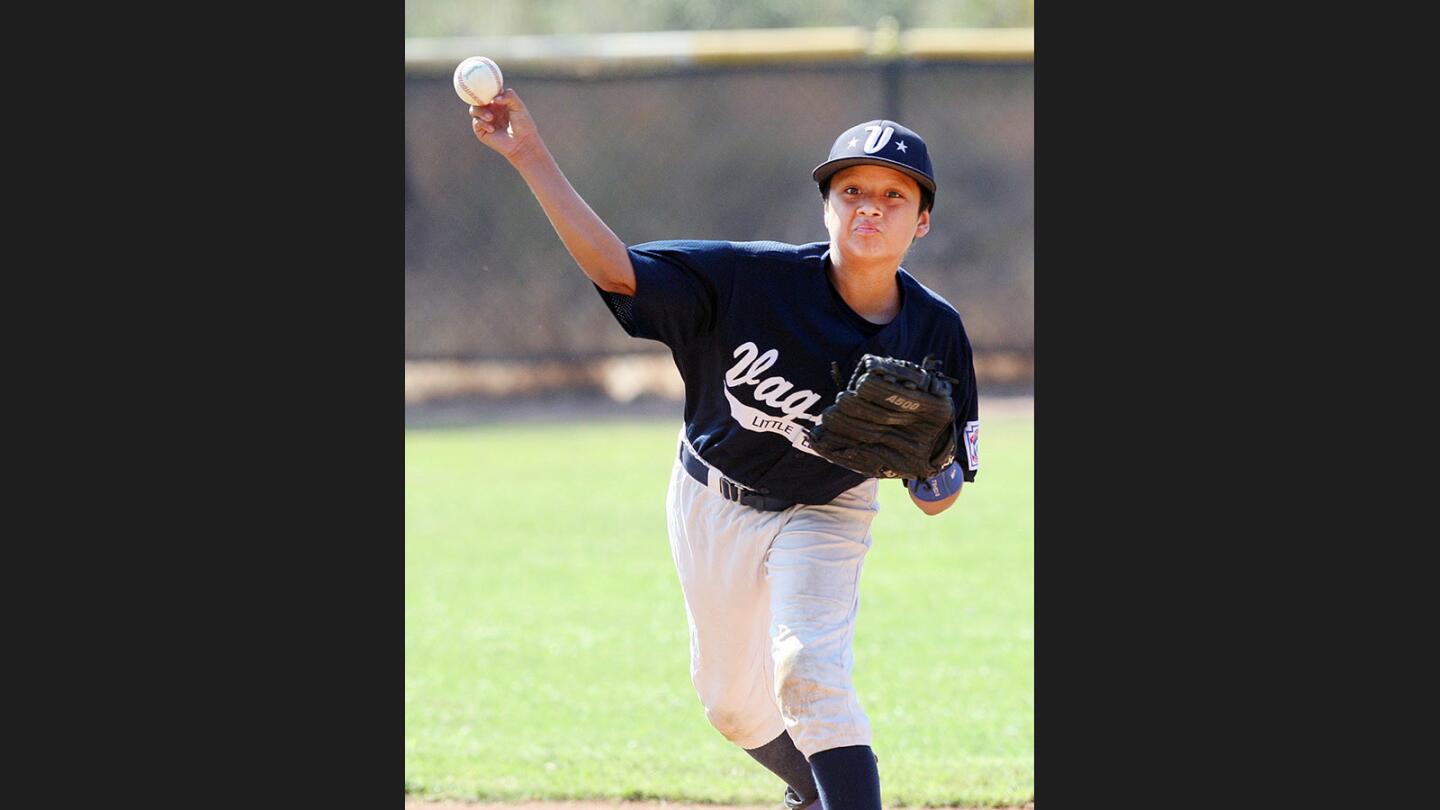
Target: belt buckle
731	490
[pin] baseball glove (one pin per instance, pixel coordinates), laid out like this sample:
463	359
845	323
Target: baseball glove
894	420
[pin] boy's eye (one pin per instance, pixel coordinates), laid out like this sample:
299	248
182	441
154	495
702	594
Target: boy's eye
894	194
851	190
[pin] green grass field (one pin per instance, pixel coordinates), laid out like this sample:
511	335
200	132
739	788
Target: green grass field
546	653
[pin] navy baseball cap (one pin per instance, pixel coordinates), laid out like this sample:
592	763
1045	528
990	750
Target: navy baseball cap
883	143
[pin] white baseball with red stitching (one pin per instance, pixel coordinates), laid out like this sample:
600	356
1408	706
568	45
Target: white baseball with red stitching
478	80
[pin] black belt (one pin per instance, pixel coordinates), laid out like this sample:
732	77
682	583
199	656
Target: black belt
730	490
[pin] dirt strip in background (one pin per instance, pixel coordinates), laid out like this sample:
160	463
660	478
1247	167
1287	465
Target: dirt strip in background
462	412
622	378
415	804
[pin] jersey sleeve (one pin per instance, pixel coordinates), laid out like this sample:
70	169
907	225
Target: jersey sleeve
960	364
967	421
680	289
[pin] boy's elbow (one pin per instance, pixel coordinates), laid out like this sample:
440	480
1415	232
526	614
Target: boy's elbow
614	277
618	286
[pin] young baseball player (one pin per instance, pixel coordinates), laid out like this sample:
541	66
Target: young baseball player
768	536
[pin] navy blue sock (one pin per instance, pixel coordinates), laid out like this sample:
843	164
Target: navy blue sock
784	760
847	777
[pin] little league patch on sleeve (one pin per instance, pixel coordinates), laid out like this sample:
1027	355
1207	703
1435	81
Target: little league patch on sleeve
972	444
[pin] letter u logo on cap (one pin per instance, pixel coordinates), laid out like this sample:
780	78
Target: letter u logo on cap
877	139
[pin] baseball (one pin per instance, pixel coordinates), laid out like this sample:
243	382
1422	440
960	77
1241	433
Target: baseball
478	80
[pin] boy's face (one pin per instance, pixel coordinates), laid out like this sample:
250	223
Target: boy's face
873	212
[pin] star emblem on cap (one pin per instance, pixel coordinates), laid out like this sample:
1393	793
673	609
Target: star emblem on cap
852	143
900	145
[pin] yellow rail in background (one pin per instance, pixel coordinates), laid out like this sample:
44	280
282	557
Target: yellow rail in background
970	44
607	53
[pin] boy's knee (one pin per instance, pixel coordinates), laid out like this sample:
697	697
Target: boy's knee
740	715
729	723
744	729
796	670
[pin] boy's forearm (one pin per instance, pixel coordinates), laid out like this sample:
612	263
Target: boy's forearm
595	247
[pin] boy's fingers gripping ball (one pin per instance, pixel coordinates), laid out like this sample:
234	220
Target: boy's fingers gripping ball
478	80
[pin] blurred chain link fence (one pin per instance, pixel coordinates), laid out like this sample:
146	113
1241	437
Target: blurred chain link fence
719	152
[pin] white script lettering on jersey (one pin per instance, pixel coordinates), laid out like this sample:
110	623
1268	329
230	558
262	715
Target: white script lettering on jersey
775	391
752	363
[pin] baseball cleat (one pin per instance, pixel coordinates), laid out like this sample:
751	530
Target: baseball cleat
794	802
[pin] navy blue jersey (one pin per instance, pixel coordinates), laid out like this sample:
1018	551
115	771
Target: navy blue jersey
754	328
